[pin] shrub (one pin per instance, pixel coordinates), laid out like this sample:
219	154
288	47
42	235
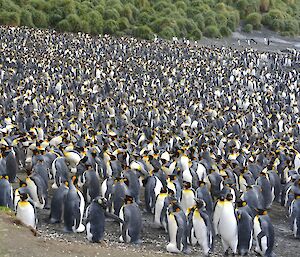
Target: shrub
123	23
210	21
111	14
75	23
110	27
199	19
144	32
63	25
167	33
144	18
212	31
9	18
95	22
54	19
39	19
128	13
225	31
221	19
26	18
292	26
195	34
248	28
254	19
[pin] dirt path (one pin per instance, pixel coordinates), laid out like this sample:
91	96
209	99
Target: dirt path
18	241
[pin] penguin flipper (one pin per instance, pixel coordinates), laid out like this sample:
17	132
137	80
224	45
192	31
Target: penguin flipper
124	232
180	234
114	216
259	238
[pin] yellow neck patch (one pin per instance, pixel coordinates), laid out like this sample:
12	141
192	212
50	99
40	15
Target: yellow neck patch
23	203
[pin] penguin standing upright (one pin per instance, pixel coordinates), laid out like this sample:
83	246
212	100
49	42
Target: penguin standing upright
245	232
134	184
177	228
295	214
57	202
95	219
118	193
6	192
203	193
227	226
132	227
266	190
73	209
153	187
91	187
37	189
187	197
263	234
11	164
203	228
59	171
25	211
217	213
21	190
160	204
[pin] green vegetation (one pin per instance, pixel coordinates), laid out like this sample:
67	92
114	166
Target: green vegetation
144	18
248	28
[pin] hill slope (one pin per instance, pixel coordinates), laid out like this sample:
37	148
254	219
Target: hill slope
144	18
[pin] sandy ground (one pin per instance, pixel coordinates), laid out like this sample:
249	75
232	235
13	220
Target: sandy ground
19	241
238	40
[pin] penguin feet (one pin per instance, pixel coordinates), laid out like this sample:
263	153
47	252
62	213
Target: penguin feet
54	186
54	221
102	243
66	230
172	248
187	250
80	229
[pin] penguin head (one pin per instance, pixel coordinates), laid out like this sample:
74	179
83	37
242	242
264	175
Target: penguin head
24	196
201	183
229	197
102	201
187	185
222	198
174	205
241	203
128	199
261	212
199	203
171	193
22	183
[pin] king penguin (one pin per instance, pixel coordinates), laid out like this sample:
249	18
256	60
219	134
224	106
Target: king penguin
132	227
73	209
56	210
263	234
95	219
26	212
177	228
6	192
227	226
295	214
203	228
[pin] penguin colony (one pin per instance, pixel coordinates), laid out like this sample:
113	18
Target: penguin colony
204	139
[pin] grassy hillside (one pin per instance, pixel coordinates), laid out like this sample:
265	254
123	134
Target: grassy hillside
144	18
